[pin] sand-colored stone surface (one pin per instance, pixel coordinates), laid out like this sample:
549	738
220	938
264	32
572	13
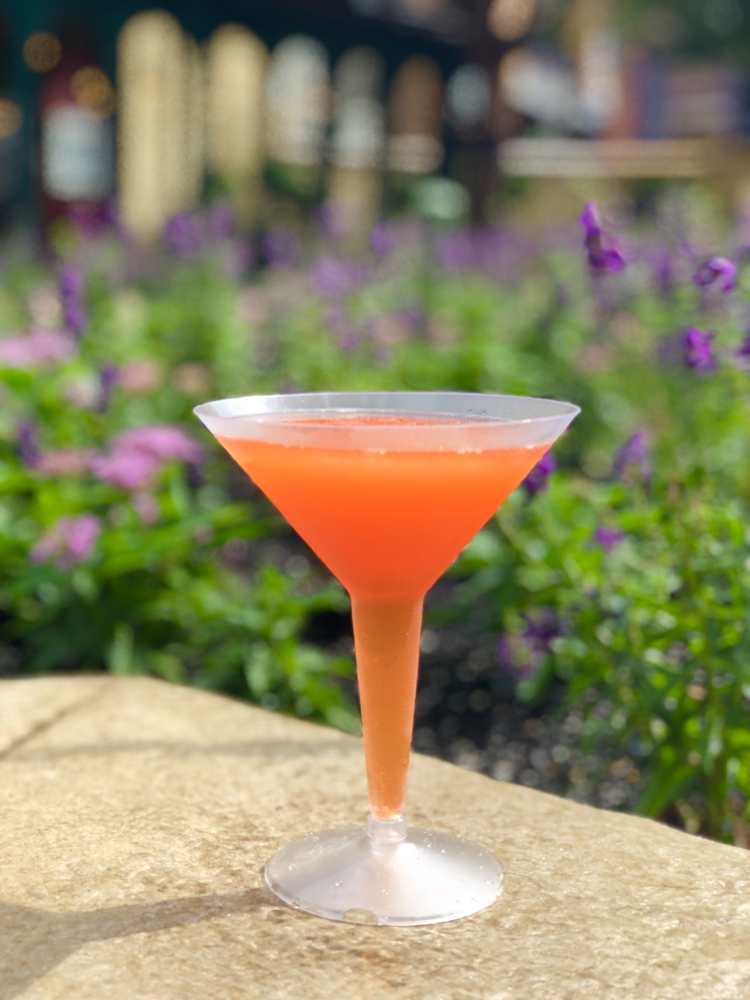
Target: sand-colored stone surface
135	818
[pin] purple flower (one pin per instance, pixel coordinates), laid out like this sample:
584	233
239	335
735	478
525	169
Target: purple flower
28	449
329	221
634	454
220	221
536	481
381	240
282	247
70	282
71	293
600	258
108	378
457	251
518	656
183	235
71	540
698	351
718	272
162	441
341	326
137	455
664	272
40	347
129	470
522	655
744	351
333	277
608	538
543	624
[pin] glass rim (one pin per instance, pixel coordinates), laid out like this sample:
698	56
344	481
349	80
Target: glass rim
277	404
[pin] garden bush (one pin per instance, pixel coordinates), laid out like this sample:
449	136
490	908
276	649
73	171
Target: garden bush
613	584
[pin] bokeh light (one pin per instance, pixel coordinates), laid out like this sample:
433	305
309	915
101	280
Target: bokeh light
420	10
10	118
42	51
510	20
93	91
469	95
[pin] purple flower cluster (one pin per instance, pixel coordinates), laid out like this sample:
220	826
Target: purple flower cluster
744	349
282	247
341	325
718	273
136	456
109	376
40	347
328	220
382	240
189	233
71	296
536	481
335	278
608	538
698	350
28	449
600	258
497	252
522	655
183	234
71	540
633	456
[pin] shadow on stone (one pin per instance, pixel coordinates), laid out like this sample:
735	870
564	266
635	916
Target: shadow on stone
33	942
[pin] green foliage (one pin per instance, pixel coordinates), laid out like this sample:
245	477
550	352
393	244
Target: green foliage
626	581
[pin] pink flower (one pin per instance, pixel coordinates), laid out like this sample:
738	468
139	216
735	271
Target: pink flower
70	539
64	462
160	441
147	508
137	455
130	470
40	347
140	377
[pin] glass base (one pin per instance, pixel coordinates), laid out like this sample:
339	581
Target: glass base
384	874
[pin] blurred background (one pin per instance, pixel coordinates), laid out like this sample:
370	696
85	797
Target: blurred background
357	102
539	197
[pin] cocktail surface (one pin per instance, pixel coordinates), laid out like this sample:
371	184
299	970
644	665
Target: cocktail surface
386	522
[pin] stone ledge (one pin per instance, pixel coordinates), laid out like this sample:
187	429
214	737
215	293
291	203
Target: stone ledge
134	825
28	706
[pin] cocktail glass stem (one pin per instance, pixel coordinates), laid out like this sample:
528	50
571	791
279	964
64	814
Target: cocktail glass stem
386	643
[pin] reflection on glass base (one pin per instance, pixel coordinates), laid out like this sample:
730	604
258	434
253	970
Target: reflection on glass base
424	878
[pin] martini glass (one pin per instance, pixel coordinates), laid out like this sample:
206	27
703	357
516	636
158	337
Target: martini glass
387	488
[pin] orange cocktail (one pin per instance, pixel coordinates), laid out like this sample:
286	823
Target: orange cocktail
386	488
386	523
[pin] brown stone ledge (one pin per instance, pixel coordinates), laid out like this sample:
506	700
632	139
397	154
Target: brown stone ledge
135	818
